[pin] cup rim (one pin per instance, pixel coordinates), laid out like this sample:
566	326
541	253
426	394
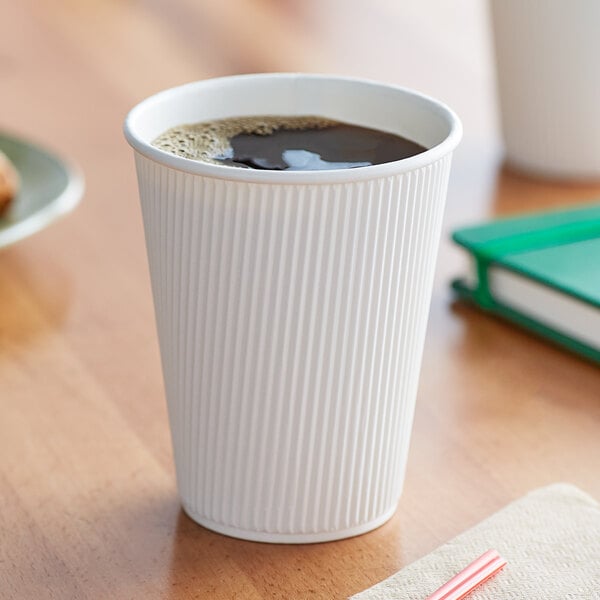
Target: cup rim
196	167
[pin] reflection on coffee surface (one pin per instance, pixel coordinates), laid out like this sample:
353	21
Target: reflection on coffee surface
285	144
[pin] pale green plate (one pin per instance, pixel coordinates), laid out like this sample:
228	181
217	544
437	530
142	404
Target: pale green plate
49	189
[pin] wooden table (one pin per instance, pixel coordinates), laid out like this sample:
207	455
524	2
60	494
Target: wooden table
88	505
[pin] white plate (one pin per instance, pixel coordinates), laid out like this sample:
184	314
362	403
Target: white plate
49	189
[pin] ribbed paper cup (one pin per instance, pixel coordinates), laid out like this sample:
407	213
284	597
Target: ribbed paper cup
291	307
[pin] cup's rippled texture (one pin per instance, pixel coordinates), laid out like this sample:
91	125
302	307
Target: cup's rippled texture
292	325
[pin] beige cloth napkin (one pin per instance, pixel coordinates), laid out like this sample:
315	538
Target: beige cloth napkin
550	538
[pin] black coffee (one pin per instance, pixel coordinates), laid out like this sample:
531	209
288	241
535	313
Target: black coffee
286	144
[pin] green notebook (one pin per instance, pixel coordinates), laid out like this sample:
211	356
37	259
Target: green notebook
541	272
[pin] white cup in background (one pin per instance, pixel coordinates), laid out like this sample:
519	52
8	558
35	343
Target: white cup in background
548	68
291	307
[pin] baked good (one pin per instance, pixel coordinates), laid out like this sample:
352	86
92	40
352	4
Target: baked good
9	183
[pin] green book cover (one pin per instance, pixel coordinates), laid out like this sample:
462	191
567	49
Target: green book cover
540	271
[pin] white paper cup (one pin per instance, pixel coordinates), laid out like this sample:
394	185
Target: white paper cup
547	58
291	307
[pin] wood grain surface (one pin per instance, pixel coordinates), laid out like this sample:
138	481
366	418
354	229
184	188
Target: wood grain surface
88	504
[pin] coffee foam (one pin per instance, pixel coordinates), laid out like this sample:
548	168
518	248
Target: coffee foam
210	140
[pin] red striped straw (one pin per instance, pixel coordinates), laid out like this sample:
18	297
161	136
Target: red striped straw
469	578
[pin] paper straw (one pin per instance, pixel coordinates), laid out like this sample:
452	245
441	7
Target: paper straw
469	578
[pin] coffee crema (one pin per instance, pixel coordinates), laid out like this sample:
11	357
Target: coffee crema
283	143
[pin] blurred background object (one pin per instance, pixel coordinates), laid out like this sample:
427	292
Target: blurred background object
547	56
10	182
37	187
